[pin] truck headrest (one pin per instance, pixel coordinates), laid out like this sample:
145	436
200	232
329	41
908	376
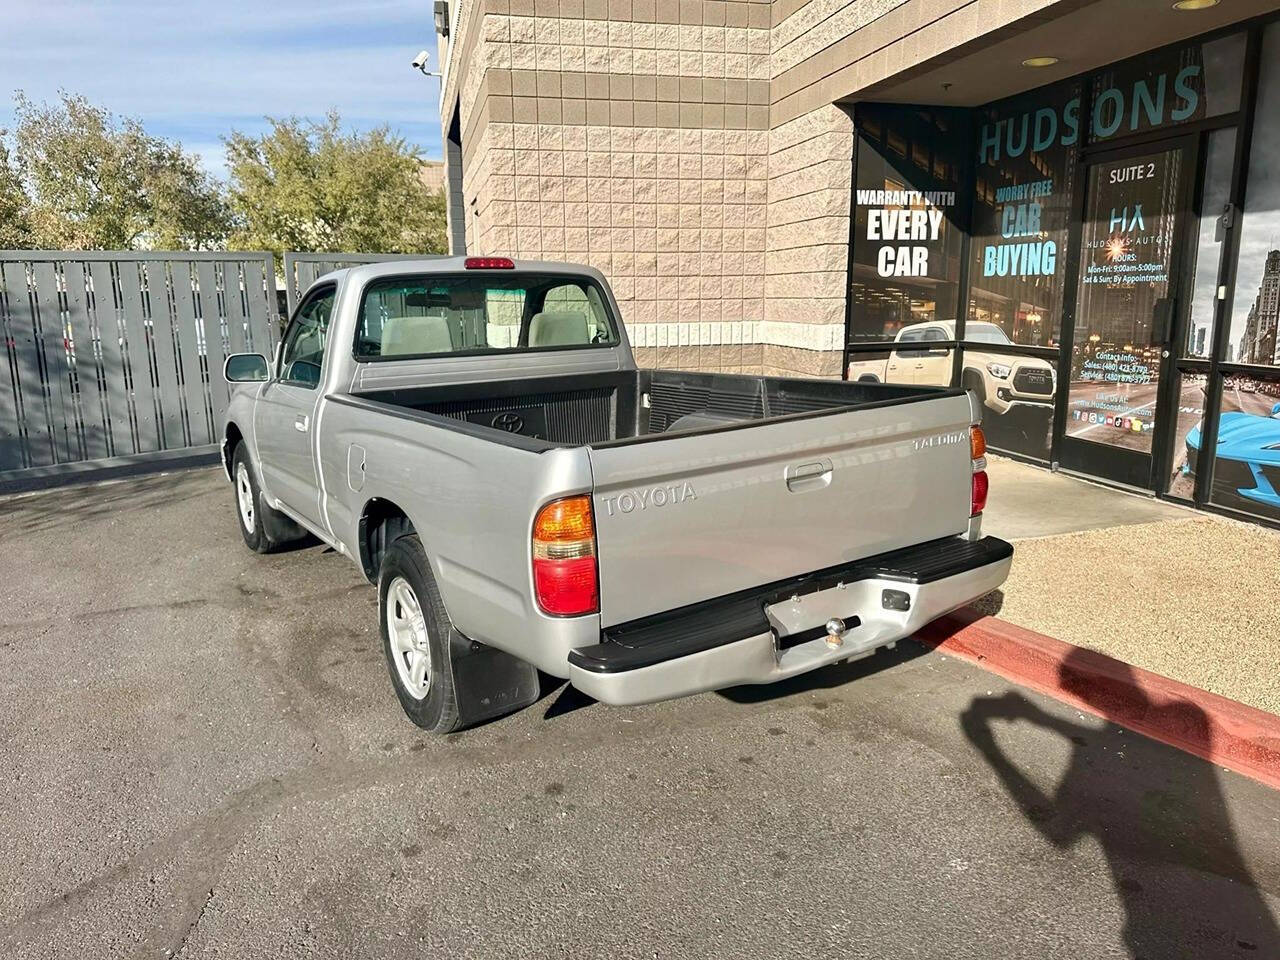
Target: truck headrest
555	327
406	336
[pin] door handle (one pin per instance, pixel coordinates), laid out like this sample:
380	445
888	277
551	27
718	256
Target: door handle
808	476
300	423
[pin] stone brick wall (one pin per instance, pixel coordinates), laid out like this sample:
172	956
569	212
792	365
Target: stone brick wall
807	242
632	136
689	149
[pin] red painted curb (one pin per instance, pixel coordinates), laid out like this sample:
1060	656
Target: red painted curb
1222	731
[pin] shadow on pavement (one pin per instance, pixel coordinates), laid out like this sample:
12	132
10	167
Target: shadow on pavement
1170	844
76	505
570	699
835	675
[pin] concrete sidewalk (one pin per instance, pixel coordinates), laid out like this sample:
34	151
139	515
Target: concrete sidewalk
1187	595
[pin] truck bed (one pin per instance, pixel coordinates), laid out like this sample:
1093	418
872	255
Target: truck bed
610	409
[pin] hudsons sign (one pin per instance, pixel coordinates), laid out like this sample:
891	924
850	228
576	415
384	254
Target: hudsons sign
1170	97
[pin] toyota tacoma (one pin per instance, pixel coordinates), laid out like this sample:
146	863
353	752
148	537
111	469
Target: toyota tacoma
474	435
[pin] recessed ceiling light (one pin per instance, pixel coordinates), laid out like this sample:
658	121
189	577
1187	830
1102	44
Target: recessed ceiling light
1039	61
1195	4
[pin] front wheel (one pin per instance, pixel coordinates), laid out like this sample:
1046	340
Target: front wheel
249	506
415	636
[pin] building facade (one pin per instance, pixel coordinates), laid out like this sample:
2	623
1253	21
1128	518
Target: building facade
1066	206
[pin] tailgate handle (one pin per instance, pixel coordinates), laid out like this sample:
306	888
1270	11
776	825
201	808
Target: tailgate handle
808	476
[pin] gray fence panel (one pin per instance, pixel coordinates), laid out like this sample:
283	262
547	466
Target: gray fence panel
12	454
189	352
53	337
141	386
115	394
215	352
113	360
163	322
27	366
303	269
260	298
233	301
84	365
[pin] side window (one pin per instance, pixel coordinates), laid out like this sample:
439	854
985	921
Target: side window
935	335
906	337
303	349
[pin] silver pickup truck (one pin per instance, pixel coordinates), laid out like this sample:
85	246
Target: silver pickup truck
474	434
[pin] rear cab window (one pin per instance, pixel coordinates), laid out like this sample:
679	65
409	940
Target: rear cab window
406	317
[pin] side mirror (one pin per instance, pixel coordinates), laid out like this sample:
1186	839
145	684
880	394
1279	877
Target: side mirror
245	368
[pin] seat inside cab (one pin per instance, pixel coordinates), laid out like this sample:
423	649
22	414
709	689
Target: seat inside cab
407	336
552	328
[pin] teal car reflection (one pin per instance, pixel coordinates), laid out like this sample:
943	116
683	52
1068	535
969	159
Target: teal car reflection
1247	458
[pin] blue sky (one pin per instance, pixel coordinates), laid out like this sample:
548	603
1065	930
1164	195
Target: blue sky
191	70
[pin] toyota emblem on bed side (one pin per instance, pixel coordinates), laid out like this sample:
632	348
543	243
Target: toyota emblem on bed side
510	422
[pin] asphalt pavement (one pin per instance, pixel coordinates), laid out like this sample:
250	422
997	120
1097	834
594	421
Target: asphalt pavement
203	757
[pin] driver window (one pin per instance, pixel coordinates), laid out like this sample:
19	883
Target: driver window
906	337
303	349
935	335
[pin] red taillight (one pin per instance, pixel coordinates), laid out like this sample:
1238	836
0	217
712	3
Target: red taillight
565	580
489	263
978	499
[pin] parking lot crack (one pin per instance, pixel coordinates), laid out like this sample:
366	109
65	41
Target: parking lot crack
200	914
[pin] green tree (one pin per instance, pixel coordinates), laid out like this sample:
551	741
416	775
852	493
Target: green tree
309	186
15	220
96	182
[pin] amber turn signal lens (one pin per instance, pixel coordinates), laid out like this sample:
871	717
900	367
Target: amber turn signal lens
568	519
977	443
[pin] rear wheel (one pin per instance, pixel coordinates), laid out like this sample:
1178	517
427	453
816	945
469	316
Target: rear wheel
415	631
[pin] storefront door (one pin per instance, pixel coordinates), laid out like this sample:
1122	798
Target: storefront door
1118	411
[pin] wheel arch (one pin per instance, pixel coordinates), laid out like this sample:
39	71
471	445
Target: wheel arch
232	437
972	379
381	521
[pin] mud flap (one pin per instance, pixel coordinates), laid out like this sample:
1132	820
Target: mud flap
279	527
488	682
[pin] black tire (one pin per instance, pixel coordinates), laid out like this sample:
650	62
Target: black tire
437	710
251	518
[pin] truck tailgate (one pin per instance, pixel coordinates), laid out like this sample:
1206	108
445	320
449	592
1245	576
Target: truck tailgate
685	518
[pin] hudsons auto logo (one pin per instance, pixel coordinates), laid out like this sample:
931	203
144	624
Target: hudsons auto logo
940	440
632	500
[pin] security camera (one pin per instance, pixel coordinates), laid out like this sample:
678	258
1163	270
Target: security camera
420	61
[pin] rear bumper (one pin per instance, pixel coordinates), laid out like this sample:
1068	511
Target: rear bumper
776	632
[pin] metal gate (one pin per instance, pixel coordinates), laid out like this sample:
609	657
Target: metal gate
114	358
303	269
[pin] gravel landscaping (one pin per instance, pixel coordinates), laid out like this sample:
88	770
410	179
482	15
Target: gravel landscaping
1192	598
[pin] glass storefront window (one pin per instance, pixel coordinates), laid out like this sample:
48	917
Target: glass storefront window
1017	393
1192	392
1221	148
907	231
916	358
1171	87
1246	472
1024	184
1128	245
1255	312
